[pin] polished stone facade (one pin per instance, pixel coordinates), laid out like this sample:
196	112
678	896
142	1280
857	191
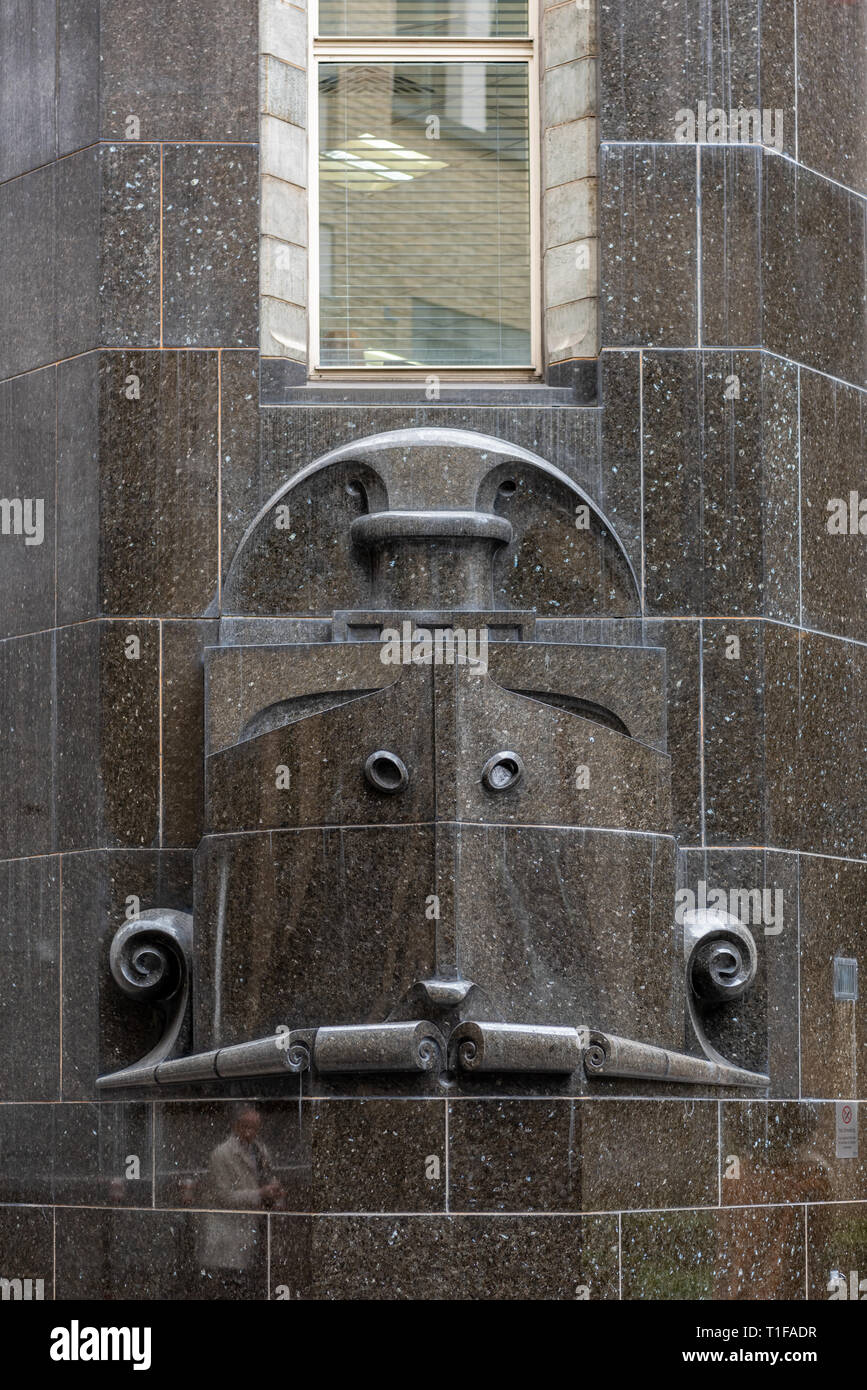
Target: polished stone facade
729	410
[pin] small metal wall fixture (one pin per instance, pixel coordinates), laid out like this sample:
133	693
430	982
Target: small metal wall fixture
427	542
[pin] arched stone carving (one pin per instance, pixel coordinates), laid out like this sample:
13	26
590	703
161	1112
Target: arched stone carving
441	518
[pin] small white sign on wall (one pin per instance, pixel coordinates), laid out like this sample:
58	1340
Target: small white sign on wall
847	1129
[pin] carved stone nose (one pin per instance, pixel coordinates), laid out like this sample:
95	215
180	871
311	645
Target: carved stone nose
436	558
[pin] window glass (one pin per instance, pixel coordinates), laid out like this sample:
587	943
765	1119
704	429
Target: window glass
424	212
424	18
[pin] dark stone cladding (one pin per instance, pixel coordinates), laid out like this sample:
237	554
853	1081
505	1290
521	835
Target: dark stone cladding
727	409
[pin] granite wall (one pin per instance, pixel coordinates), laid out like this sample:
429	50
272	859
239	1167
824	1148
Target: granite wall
729	412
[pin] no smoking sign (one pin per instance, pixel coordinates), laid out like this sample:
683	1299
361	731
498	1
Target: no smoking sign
847	1130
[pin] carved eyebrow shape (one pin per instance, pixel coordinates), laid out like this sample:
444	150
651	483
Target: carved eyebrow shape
284	712
573	704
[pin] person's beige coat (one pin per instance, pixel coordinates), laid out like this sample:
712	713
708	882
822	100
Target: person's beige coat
228	1240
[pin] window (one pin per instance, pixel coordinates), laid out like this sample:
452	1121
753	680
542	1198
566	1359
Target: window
424	237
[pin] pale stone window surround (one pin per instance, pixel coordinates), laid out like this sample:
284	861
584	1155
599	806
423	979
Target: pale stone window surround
569	180
567	66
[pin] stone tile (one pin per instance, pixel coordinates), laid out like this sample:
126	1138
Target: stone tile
28	408
27	114
327	1155
83	303
813	271
570	272
647	228
104	1029
785	1153
776	23
183	729
682	643
780	488
26	772
837	1251
27	1242
108	775
734	731
568	33
158	483
283	331
283	150
377	944
790	701
833	923
527	909
760	888
187	74
569	151
283	270
731	257
129	244
834	465
703	483
244	632
783	793
26	246
620	450
241	494
569	92
515	1155
49	262
831	45
76	747
647	1153
695	53
30	979
572	331
595	1155
833	746
283	31
283	89
76	1155
379	1155
743	1254
210	246
78	509
284	212
78	34
444	1258
200	1161
161	1254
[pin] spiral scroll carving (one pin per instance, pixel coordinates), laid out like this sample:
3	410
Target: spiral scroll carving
150	960
722	966
298	1057
150	956
430	1057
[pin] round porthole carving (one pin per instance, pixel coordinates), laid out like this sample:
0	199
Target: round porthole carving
502	772
386	772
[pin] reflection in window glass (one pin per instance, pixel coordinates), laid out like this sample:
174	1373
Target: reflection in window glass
424	189
433	19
